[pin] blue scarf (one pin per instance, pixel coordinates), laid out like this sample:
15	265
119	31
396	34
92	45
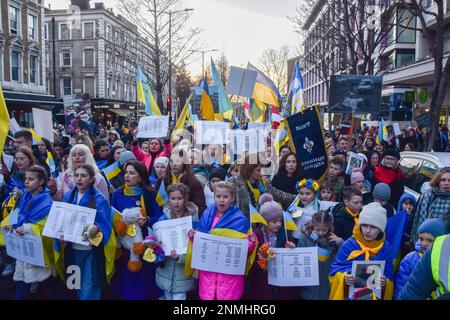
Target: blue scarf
33	209
232	219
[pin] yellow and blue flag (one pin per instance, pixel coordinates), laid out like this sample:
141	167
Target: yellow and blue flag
50	162
112	170
206	106
382	132
4	120
185	115
265	90
145	96
11	219
162	197
36	138
225	106
296	91
255	216
281	138
289	223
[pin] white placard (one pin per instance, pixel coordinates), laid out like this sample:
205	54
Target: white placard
27	248
153	127
251	141
294	267
68	220
396	127
355	161
43	123
14	126
173	234
219	254
212	132
259	125
9	161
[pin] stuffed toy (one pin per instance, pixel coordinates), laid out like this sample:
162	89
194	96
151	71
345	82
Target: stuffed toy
130	236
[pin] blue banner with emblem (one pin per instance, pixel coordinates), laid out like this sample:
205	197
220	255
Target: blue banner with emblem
307	140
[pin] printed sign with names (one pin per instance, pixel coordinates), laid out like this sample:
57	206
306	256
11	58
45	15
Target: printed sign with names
68	220
251	141
153	127
173	234
219	254
212	132
27	248
294	267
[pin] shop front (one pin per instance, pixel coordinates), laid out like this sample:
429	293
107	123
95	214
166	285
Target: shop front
107	112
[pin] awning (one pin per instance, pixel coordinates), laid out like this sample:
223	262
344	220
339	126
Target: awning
31	98
120	112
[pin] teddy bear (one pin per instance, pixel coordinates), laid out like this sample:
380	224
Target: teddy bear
130	236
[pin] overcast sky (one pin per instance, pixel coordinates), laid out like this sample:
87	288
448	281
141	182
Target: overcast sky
242	29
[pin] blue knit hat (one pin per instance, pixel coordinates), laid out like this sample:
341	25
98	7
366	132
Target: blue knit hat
436	227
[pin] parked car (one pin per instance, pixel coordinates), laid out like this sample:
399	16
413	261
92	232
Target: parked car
419	168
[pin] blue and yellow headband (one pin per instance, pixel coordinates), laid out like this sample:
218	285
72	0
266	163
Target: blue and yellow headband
307	183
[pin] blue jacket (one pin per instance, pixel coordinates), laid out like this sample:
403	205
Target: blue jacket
406	268
420	284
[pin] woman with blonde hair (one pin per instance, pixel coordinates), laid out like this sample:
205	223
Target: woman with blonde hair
79	155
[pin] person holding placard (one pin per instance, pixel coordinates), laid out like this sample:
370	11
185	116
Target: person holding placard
156	149
367	243
268	236
319	233
96	261
133	280
224	219
34	206
170	277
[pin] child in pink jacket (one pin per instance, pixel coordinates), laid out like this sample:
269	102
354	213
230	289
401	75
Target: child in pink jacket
223	215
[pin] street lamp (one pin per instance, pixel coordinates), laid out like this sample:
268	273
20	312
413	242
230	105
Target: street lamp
170	47
203	58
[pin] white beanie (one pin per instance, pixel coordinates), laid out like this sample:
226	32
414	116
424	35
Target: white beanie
162	160
375	215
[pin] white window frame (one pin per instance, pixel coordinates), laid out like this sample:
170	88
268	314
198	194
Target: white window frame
62	86
109	35
84	29
84	58
108	87
20	67
37	69
117	86
59	30
84	85
109	61
19	22
36	25
61	58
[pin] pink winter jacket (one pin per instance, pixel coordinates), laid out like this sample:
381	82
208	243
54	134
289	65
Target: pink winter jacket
220	286
146	158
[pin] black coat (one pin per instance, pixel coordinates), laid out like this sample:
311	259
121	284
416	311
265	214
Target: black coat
343	222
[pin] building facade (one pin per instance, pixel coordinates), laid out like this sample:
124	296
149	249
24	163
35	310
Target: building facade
401	56
92	50
22	59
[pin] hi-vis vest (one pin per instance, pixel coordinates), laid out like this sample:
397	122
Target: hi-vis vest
440	263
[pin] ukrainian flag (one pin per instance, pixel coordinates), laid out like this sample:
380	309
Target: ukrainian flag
112	170
257	111
11	219
162	197
281	138
36	137
184	115
145	96
206	106
255	216
289	223
50	162
382	132
4	120
265	90
225	106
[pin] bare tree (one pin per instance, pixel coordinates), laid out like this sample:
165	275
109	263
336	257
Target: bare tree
273	64
432	24
223	67
152	20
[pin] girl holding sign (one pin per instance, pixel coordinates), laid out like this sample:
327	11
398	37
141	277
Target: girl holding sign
135	280
171	276
224	219
96	261
34	206
367	243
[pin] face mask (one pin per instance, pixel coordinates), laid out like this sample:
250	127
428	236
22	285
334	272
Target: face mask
314	236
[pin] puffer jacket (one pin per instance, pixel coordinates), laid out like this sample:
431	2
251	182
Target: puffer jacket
406	268
147	158
171	277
